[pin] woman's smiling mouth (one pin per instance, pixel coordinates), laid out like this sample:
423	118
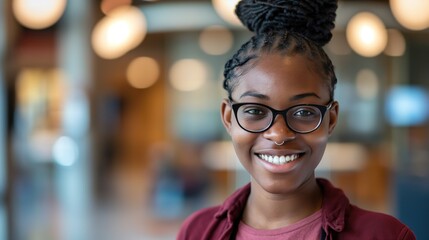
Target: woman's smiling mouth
278	160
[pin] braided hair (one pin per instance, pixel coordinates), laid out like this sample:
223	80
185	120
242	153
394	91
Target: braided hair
286	27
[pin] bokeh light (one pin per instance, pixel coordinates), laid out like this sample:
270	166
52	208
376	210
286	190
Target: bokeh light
216	40
396	44
407	106
123	29
366	34
188	74
226	10
65	151
107	5
367	84
38	14
412	14
142	72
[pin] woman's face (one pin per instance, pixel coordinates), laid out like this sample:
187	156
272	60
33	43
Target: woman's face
280	82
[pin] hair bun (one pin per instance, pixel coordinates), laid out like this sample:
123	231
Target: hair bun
313	19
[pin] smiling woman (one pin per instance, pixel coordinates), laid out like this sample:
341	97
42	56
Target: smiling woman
280	113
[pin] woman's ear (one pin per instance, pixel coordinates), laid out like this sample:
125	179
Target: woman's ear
226	114
333	116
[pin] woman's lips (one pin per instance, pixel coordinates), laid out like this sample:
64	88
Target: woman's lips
278	159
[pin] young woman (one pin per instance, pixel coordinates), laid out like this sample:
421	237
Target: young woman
279	113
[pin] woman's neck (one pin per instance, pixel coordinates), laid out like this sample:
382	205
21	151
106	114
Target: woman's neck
265	210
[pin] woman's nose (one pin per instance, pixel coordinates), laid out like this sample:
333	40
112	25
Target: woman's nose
279	131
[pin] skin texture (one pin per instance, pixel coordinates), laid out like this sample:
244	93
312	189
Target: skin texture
281	195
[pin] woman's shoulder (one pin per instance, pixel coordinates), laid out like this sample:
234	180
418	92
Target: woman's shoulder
202	216
196	223
377	224
211	221
368	217
352	222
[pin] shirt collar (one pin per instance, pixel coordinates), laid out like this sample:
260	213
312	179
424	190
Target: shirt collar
234	205
334	206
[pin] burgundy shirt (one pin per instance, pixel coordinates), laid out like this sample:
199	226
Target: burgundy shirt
340	219
307	228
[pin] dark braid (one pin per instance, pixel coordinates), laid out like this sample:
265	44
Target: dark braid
286	27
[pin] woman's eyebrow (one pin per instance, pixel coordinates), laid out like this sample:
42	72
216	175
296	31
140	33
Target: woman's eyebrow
265	97
304	95
254	94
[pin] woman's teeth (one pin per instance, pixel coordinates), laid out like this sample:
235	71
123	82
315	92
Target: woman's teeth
278	160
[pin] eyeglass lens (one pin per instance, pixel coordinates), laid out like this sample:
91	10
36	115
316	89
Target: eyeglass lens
257	118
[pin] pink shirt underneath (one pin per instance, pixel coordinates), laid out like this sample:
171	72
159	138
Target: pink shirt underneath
307	228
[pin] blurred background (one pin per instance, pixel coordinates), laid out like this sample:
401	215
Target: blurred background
110	126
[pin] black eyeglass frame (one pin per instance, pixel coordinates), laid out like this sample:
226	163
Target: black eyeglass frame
322	108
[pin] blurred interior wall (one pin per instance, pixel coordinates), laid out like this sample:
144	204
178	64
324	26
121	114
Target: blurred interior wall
3	225
411	178
72	183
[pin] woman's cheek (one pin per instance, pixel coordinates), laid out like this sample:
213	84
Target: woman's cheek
240	136
318	145
320	136
241	140
243	143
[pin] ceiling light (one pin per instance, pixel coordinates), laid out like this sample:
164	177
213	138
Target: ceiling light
216	40
123	29
366	34
38	14
188	74
412	14
226	10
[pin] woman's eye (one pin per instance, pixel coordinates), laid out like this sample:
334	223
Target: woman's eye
304	113
254	111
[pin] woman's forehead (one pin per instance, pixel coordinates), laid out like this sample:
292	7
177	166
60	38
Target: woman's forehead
277	75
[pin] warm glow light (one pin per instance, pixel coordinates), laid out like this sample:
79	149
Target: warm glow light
142	72
366	34
396	45
412	14
216	40
107	5
123	29
38	14
226	10
367	84
188	74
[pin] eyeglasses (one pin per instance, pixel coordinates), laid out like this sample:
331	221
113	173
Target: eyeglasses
256	117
